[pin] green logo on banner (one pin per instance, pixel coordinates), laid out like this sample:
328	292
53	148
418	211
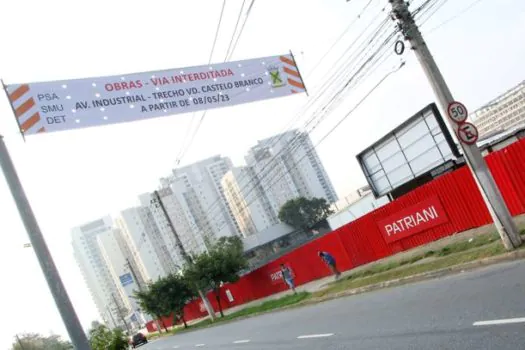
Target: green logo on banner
276	77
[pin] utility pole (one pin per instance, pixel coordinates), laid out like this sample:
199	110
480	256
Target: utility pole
132	270
185	256
139	284
56	286
108	309
120	313
488	188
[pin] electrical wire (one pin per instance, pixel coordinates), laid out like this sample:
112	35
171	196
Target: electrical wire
431	8
240	31
455	16
311	102
217	31
362	100
316	65
330	80
234	30
184	149
203	116
293	143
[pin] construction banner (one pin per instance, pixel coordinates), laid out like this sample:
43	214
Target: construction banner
81	103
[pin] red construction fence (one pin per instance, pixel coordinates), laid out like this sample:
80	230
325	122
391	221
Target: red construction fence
447	205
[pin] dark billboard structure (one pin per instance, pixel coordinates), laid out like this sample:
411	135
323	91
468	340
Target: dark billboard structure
412	154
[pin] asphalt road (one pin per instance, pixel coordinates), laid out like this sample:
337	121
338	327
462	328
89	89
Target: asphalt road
437	314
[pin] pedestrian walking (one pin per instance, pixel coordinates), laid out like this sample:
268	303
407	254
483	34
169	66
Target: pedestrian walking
330	261
287	277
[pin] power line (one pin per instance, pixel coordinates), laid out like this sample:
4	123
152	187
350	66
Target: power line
435	6
340	37
329	132
234	30
217	31
185	148
458	14
311	102
350	64
241	30
201	119
292	144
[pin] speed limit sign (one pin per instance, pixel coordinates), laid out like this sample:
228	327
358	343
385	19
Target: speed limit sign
457	112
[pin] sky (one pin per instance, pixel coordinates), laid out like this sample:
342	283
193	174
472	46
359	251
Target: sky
74	177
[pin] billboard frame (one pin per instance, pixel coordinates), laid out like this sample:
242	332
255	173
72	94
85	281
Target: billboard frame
432	107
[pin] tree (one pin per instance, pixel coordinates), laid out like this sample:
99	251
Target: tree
221	264
103	338
174	292
150	301
34	341
303	213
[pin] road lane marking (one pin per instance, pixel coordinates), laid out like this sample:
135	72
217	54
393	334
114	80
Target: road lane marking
244	341
199	345
309	336
175	346
497	322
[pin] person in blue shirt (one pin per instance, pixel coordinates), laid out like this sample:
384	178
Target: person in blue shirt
330	261
288	277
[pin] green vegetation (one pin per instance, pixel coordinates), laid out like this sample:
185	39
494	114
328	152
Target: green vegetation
34	341
103	338
222	263
267	306
450	255
304	213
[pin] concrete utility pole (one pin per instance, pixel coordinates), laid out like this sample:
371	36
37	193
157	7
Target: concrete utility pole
132	270
139	285
183	253
488	188
120	313
64	305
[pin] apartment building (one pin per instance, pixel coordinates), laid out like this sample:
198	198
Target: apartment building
504	112
250	206
95	269
286	166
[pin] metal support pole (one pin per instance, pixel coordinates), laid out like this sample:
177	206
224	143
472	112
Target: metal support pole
64	305
488	188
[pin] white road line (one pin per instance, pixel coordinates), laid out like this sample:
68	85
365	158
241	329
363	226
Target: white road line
244	341
175	346
199	345
309	336
497	322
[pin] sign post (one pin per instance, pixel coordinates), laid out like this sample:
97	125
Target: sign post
64	305
489	190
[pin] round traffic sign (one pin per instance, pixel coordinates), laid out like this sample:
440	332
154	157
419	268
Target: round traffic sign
468	133
457	112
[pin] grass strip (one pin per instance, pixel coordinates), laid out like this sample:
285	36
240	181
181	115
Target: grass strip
449	259
267	306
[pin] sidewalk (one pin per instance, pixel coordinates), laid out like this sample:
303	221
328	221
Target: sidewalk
317	285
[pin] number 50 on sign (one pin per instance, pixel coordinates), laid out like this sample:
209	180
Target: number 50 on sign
457	112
